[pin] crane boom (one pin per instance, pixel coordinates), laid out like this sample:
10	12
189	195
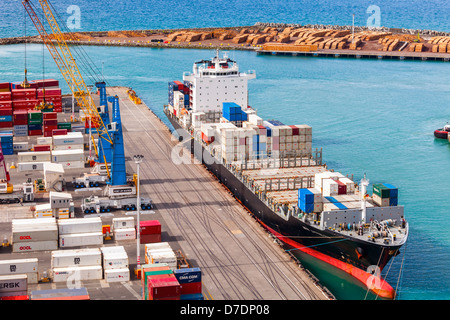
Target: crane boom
66	63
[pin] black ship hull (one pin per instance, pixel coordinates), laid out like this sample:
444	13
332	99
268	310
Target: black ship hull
356	257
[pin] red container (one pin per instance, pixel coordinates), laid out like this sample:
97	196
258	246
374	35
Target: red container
57	109
23	94
21	104
20	115
6	111
47	134
150	238
57	104
163	288
190	288
180	85
5	96
150	227
50	116
41	147
5	85
59	132
7	104
8	124
50	128
35	132
18	85
342	187
15	298
44	83
50	122
48	92
295	130
52	99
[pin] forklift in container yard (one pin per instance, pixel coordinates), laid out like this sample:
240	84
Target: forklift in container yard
110	142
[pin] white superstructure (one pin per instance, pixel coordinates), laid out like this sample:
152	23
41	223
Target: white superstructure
216	81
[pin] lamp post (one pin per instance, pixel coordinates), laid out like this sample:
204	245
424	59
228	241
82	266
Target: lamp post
138	159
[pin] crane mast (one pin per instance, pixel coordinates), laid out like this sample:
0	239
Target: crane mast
66	63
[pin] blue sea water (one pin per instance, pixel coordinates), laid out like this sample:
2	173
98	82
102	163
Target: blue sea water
369	116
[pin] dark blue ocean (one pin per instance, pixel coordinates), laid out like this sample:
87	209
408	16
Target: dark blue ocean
369	116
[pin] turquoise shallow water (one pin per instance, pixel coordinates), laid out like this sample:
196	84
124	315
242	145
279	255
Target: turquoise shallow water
369	116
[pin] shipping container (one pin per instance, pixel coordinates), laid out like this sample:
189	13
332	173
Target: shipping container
163	288
35	246
87	225
123	222
78	257
113	260
117	275
150	227
61	156
28	233
10	284
80	273
80	239
125	234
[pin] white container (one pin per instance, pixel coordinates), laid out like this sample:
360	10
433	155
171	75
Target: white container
329	187
61	156
75	138
72	165
18	266
77	273
114	249
44	141
115	260
120	223
34	233
35	246
78	257
32	222
21	146
39	156
31	166
13	283
68	147
125	234
349	183
117	275
93	224
80	239
317	195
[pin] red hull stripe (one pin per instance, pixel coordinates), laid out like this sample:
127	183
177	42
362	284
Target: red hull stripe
377	285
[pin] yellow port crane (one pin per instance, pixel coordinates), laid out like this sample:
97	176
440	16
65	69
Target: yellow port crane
63	58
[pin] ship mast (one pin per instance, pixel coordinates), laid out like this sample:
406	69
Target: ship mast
363	189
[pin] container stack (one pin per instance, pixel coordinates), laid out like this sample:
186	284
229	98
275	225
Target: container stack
6	116
32	161
85	263
70	159
13	287
385	195
20	119
233	112
123	228
159	283
6	138
28	267
150	231
68	141
80	232
50	123
23	99
34	123
115	264
29	235
160	253
190	280
52	96
310	200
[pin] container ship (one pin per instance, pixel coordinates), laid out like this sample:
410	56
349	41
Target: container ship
272	169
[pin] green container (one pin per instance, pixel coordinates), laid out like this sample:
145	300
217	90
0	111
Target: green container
65	125
151	273
34	121
380	190
47	110
34	115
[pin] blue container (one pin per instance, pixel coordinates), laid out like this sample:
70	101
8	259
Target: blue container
7	151
6	118
7	145
393	191
306	196
244	116
393	202
276	123
269	131
35	127
306	207
188	275
192	296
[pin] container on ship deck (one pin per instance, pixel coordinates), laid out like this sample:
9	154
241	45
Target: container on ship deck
45	83
381	190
